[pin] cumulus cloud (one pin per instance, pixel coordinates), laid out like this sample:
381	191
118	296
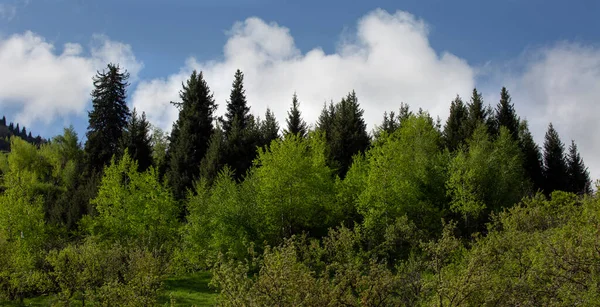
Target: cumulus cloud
388	60
42	84
560	84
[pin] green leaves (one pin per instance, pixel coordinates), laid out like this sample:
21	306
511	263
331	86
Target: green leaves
133	207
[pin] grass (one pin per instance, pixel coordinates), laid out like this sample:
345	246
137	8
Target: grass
188	290
43	300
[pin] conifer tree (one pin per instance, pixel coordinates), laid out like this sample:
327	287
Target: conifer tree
348	133
506	115
455	130
269	129
579	177
241	130
211	164
478	113
532	157
137	140
555	166
295	124
191	133
237	106
108	118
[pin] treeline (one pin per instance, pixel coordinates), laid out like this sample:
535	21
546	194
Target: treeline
472	212
7	131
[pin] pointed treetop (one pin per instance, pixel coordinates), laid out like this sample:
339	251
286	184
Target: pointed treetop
295	124
579	176
506	115
237	106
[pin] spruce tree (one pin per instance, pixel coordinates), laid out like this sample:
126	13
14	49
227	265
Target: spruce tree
532	157
506	115
295	124
579	177
108	117
237	106
137	140
348	133
191	133
555	166
455	130
269	129
241	130
212	162
478	113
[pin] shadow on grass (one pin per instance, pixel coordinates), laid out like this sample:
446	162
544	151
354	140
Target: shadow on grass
188	290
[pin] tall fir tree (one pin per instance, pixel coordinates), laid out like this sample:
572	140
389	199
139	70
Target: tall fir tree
506	115
138	141
241	130
455	131
295	124
555	166
108	118
269	129
237	106
532	157
478	113
348	133
191	133
579	177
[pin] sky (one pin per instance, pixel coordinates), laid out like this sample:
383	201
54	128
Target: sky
424	53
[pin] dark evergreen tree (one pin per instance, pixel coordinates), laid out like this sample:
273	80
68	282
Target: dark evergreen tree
212	162
532	157
555	166
191	133
579	177
237	106
241	129
506	115
456	129
138	141
3	121
295	124
108	118
325	120
478	113
269	129
348	133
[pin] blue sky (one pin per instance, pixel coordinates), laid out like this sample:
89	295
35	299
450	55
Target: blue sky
546	52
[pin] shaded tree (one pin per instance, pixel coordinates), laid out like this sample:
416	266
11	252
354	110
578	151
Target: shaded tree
555	166
138	141
108	118
269	129
579	177
532	157
506	115
295	124
191	133
455	130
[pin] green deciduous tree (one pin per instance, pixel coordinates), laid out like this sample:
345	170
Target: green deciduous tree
133	207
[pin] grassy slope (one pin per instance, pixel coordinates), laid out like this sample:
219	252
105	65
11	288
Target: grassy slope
189	290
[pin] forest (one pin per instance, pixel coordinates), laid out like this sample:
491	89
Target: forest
416	212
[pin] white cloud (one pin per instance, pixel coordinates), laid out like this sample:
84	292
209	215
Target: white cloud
7	11
387	61
43	84
561	84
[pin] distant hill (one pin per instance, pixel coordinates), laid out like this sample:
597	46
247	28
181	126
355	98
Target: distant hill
6	131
